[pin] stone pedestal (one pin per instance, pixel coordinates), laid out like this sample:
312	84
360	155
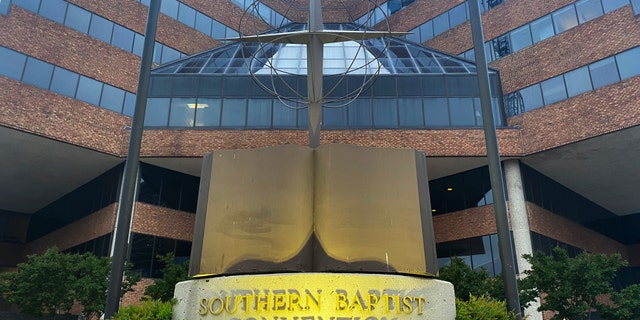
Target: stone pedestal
314	296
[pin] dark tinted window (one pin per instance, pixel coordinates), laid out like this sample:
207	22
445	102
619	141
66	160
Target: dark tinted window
462	113
436	112
157	112
234	113
259	115
410	112
385	113
360	113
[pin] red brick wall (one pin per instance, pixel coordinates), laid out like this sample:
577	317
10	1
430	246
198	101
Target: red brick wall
81	231
591	114
194	143
52	42
163	222
556	227
30	109
133	15
464	224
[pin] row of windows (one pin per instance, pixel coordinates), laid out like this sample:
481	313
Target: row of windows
272	114
194	19
547	26
47	76
384	10
468	189
447	20
478	253
590	77
262	11
98	27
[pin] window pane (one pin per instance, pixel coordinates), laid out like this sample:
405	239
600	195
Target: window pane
577	81
553	90
187	15
385	113
27	4
138	44
12	63
157	113
234	113
458	15
334	118
284	116
64	82
360	115
89	90
169	54
440	24
462	114
610	5
588	9
520	38
565	19
203	23
426	31
122	38
183	112
129	103
531	97
604	72
259	114
37	73
542	29
636	6
78	19
436	112
410	110
629	63
210	115
112	98
101	28
53	9
170	8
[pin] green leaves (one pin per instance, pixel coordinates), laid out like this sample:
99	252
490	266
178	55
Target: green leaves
570	285
50	283
162	289
482	307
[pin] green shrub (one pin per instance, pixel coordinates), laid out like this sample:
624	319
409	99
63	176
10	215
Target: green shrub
148	310
482	307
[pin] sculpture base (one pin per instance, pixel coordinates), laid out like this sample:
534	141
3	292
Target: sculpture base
314	296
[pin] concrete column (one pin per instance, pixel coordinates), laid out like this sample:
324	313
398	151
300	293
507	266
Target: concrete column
519	224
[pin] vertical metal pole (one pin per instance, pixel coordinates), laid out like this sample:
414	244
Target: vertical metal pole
495	170
314	73
129	179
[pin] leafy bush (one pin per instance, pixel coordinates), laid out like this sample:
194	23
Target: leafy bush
162	289
627	304
482	307
148	310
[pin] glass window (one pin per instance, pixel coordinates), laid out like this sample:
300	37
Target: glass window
54	10
27	4
629	63
385	113
440	24
360	115
129	104
203	23
170	8
610	5
588	9
520	38
284	116
4	7
414	35
303	118
426	31
187	15
101	28
501	46
542	29
334	118
458	15
169	54
259	114
234	113
78	19
462	114
12	63
565	18
577	81
218	30
209	114
37	73
532	97
636	6
138	44
112	98
553	90
410	112
183	111
64	82
157	113
89	90
122	38
436	112
604	72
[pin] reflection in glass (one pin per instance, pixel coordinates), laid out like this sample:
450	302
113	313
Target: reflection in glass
604	72
629	63
565	19
532	97
210	116
183	111
520	38
578	81
588	9
553	90
37	73
542	29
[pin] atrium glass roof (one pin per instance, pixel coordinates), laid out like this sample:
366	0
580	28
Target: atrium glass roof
392	55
